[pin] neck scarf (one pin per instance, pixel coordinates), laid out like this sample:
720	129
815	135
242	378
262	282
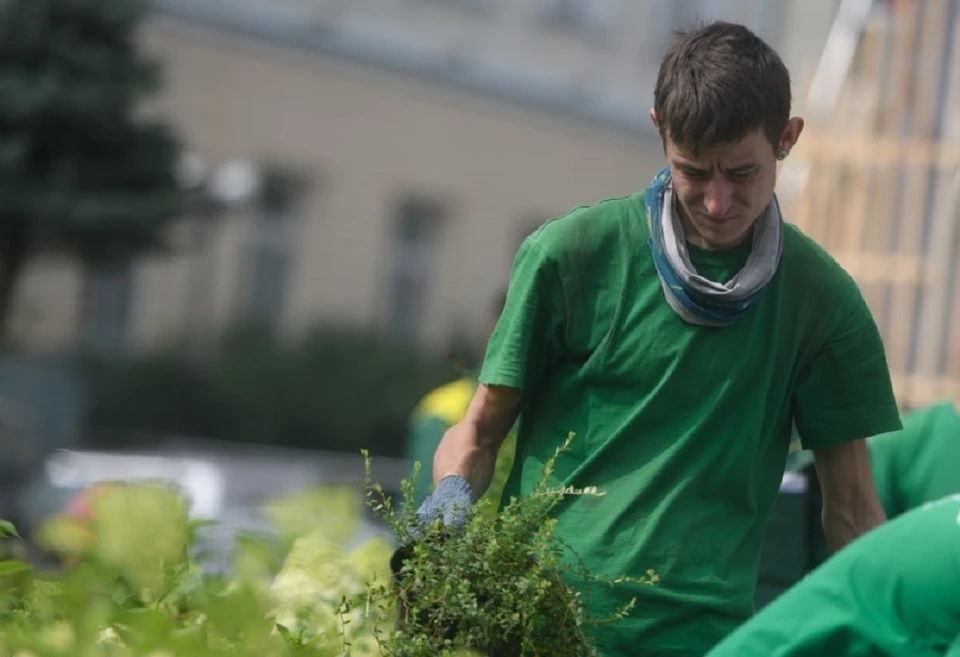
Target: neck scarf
694	298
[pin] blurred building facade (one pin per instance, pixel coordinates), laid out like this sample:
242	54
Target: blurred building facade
405	149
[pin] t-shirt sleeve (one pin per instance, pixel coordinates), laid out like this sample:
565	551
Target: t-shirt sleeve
527	340
844	392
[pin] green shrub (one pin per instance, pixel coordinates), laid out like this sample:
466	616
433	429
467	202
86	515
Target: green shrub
335	389
151	393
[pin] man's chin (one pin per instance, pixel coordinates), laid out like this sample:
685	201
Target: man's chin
722	239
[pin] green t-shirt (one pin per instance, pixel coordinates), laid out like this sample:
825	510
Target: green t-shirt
894	592
685	428
919	463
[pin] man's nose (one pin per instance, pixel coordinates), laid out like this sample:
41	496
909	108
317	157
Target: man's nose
718	197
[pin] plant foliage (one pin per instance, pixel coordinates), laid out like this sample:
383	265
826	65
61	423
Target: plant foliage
501	587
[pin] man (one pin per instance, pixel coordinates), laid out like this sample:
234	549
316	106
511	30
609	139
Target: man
894	593
920	463
679	333
439	410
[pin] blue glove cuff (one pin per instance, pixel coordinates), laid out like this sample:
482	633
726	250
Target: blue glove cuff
454	488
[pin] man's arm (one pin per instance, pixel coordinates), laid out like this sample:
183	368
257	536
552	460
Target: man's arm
526	342
884	451
469	448
843	393
850	503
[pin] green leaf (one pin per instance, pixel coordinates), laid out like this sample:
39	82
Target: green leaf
7	529
12	566
200	523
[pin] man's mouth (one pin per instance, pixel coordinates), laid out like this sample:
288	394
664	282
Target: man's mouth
717	220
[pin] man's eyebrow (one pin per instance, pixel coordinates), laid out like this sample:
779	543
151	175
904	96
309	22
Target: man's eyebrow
689	166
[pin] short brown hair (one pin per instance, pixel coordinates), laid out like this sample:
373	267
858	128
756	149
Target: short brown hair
718	82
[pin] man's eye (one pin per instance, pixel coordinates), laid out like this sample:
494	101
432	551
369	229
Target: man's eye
740	175
695	175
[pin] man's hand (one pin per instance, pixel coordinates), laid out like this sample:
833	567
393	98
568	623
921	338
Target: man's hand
451	502
850	503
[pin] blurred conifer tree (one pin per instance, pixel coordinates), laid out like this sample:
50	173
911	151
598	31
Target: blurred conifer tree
82	172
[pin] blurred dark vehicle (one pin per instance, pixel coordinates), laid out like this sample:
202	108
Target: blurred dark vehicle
41	409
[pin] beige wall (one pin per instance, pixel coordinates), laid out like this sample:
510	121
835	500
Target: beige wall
363	140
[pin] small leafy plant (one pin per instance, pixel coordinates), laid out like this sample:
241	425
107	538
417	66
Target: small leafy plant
500	587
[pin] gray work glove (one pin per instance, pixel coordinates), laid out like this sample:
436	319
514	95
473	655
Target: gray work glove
451	502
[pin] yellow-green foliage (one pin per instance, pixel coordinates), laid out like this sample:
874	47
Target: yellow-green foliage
333	510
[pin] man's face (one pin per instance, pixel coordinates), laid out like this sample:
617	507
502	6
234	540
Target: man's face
725	188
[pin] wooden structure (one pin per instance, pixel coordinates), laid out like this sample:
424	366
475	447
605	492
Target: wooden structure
875	179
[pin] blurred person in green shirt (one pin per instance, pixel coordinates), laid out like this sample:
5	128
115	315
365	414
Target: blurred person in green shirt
919	463
442	408
894	592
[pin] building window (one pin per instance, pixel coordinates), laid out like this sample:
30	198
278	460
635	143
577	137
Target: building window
272	250
413	246
589	17
108	309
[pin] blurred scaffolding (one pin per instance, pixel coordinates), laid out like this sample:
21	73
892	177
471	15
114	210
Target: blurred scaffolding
876	177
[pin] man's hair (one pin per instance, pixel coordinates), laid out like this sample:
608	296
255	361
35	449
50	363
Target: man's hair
718	82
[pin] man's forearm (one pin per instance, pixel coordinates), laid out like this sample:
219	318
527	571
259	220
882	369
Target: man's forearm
843	524
850	503
469	448
465	453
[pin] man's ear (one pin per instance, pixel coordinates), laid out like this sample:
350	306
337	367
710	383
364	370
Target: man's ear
791	134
